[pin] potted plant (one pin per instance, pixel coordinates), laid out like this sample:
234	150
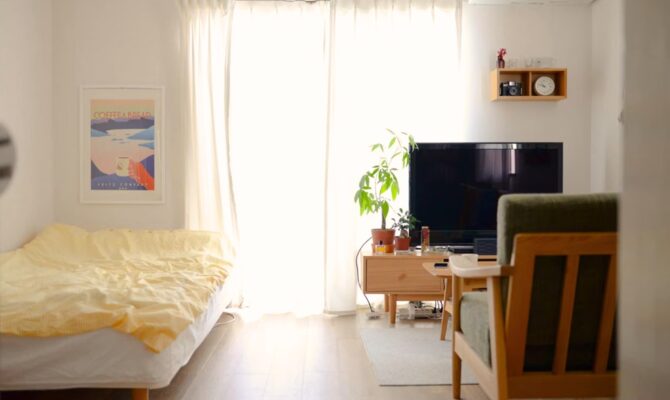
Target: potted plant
378	186
403	225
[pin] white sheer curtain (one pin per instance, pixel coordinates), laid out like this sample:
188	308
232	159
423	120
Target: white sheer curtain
312	84
394	64
277	119
210	201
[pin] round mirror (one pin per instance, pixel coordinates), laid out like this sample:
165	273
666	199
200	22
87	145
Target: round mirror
7	158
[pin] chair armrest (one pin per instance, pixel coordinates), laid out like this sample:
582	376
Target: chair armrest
465	267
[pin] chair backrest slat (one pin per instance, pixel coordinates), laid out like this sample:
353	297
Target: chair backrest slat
565	316
527	248
516	329
607	318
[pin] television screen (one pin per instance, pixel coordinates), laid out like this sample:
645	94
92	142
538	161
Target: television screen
455	187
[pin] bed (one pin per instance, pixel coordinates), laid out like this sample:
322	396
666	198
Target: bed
120	355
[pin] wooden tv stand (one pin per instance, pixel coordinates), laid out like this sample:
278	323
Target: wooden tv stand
404	277
401	277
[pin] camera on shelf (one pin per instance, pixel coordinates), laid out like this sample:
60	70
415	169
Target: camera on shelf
511	88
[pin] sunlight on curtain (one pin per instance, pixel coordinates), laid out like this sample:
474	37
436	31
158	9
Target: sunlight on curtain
210	202
277	120
394	64
280	148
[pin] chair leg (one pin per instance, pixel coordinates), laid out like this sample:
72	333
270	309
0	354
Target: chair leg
457	290
455	373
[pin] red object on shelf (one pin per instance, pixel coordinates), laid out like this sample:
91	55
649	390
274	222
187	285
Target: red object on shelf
425	238
501	60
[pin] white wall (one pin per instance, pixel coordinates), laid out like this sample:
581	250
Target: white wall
607	62
129	42
121	42
644	326
561	32
25	110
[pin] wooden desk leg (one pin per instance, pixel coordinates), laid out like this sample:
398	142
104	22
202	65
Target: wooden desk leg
393	299
386	303
445	313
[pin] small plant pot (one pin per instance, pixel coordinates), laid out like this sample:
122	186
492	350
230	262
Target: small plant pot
402	243
385	236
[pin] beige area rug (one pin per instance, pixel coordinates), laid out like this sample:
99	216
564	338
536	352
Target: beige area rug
411	355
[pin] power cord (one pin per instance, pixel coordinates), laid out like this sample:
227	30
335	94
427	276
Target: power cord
358	278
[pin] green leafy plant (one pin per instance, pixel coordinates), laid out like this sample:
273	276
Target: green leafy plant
378	187
405	223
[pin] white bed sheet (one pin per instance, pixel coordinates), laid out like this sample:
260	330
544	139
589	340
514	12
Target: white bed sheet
106	357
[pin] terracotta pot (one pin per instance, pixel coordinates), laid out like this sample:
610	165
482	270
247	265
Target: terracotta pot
402	243
385	236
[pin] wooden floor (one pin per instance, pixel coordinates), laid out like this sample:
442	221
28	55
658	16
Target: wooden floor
277	357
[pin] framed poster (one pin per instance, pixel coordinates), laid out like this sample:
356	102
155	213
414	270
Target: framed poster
121	145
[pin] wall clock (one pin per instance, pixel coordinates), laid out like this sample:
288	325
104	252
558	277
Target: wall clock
544	86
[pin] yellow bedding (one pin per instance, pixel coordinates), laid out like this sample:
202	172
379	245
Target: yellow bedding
150	284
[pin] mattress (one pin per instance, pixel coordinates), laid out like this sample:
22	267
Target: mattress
106	357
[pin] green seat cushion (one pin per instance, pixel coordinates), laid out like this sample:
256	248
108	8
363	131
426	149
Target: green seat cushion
475	323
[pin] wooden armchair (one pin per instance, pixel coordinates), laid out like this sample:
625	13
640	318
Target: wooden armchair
545	325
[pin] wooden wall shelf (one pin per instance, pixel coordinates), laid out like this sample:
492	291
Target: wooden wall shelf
528	76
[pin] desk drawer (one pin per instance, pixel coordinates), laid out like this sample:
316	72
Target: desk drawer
403	275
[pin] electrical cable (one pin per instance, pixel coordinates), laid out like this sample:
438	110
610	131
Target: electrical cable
358	278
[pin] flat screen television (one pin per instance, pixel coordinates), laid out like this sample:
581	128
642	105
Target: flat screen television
454	187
